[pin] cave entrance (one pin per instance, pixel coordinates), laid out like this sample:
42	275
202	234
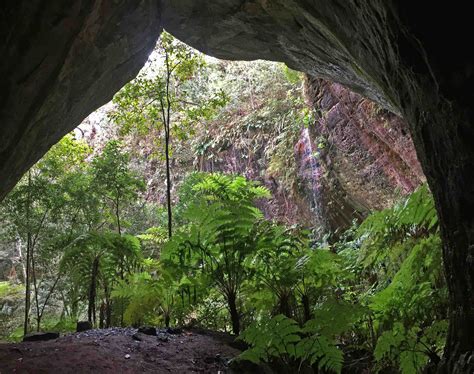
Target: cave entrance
63	61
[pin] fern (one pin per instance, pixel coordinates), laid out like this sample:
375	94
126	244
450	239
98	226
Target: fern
276	337
402	345
322	350
281	337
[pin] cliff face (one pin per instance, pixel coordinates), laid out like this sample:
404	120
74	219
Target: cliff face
355	157
365	153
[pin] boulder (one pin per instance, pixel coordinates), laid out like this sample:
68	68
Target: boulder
83	326
147	330
138	336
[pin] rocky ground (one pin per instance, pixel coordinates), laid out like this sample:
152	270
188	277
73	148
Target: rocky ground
122	350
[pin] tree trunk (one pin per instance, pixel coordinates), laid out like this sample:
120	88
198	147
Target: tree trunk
166	116
168	184
284	305
93	291
35	287
108	314
117	216
101	315
234	313
167	320
27	286
28	260
306	308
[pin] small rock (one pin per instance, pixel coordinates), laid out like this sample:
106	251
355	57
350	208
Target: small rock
162	338
174	331
83	326
147	330
138	336
40	336
127	356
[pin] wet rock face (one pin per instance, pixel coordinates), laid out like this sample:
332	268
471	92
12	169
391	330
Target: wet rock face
366	155
60	61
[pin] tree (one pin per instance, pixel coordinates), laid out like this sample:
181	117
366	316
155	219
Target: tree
222	232
96	262
166	100
114	182
34	208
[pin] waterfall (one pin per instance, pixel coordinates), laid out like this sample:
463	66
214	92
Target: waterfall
310	173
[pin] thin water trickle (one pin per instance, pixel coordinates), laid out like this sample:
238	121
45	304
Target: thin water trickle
310	171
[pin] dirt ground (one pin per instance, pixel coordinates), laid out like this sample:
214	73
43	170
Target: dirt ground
116	351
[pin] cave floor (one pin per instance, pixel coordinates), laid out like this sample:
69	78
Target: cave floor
116	351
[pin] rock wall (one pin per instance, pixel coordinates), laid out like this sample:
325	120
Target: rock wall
61	60
366	154
356	157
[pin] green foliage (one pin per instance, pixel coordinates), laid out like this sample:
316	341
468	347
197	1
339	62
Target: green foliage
222	232
411	348
11	295
281	337
117	253
378	291
114	182
142	105
10	290
401	256
96	262
414	216
292	75
276	337
144	295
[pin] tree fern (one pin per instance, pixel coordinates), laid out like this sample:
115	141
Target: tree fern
96	261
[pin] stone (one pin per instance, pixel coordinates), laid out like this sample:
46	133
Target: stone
367	158
174	330
40	336
58	68
147	330
83	326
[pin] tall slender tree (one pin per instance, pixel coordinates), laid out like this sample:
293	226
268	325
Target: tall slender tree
163	98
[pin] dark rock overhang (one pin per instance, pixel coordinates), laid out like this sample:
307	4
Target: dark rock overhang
61	60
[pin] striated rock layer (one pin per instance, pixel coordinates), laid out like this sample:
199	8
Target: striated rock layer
367	156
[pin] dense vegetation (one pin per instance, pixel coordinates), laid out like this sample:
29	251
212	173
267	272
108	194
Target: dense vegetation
96	244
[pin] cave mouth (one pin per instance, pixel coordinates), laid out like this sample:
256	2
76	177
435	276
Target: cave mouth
62	62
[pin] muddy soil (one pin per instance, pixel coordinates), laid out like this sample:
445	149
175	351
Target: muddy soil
117	351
